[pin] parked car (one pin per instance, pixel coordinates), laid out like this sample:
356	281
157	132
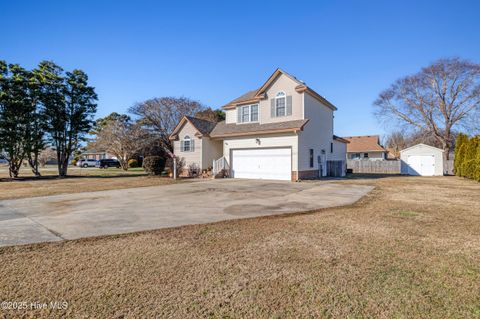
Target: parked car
86	163
106	163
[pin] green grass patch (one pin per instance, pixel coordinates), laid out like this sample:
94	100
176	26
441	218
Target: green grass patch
406	213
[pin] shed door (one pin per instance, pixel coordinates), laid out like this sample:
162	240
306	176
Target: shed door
423	165
271	163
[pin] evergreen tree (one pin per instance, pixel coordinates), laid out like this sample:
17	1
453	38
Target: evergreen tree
17	107
459	153
68	109
468	163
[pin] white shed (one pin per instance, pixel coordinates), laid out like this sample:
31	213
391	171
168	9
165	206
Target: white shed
422	160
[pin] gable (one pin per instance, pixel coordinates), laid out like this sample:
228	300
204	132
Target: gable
256	96
187	129
281	83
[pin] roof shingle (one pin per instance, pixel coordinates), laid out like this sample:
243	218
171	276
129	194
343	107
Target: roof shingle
232	129
368	143
204	126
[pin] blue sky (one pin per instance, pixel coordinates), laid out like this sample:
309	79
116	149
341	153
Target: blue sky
347	51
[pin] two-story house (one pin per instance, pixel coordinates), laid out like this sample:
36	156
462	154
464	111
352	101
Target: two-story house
282	130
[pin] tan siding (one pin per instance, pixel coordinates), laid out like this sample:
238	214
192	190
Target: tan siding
287	85
212	150
317	134
190	157
230	116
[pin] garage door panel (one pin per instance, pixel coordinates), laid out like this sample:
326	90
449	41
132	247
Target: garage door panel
421	165
274	163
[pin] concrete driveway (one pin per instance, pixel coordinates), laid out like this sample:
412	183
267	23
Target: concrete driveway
72	216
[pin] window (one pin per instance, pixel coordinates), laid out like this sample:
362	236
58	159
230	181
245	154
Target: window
356	156
280	104
187	144
311	157
331	147
365	155
254	113
248	113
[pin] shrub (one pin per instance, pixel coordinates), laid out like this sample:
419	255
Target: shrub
132	163
193	170
180	165
74	162
154	165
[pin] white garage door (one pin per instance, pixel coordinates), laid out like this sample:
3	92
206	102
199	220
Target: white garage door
423	165
272	163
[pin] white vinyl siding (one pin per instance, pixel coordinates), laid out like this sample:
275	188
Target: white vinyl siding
422	160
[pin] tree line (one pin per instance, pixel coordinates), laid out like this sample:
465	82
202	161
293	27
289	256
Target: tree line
467	157
46	106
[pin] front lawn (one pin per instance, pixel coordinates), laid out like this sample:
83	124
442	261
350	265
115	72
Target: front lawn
78	180
409	249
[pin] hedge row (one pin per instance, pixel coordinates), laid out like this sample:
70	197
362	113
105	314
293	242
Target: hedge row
467	157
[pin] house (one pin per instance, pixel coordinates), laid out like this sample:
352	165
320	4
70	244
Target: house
365	147
422	160
283	130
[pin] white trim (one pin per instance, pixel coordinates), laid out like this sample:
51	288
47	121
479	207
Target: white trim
284	97
240	107
187	138
421	144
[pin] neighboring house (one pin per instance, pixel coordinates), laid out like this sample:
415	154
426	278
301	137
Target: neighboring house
365	148
422	160
96	155
282	130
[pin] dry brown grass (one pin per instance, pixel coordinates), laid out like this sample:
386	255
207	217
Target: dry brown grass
411	248
79	180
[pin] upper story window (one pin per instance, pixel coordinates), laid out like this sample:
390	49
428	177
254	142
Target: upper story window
280	104
248	113
186	145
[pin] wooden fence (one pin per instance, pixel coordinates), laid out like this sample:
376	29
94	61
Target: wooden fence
387	167
374	167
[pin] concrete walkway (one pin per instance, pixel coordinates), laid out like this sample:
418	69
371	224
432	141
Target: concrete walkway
72	216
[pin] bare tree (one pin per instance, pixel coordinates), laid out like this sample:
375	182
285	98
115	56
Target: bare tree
441	97
161	115
121	139
46	155
396	142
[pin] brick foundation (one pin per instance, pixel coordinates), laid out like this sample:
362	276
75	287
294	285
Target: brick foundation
312	174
